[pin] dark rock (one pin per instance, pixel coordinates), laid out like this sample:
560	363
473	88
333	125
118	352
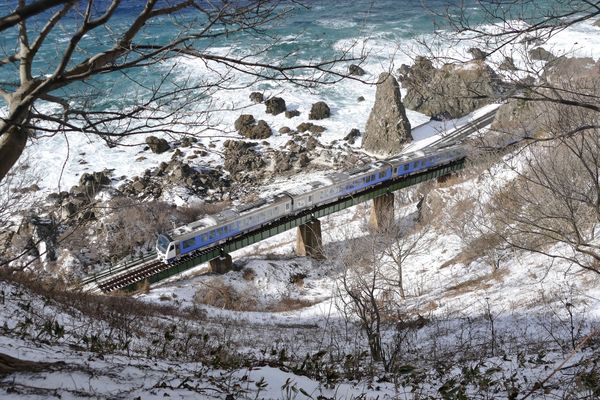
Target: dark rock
356	70
455	90
157	145
541	54
68	210
243	121
260	131
275	105
284	129
248	127
176	154
319	110
309	126
257	97
508	64
90	184
241	158
443	116
352	135
478	54
303	160
40	231
292	113
138	186
360	98
187	141
402	72
312	143
388	127
282	162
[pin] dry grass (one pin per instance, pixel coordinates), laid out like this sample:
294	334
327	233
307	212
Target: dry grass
219	294
289	304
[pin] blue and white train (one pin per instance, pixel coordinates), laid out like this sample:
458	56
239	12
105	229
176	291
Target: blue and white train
216	229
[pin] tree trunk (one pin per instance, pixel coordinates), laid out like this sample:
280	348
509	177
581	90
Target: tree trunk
12	144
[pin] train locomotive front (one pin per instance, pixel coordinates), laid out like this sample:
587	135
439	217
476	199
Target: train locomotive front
166	249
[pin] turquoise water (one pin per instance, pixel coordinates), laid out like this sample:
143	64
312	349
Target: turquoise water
305	34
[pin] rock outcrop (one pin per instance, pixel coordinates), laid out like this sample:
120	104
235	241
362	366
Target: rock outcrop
247	126
541	54
356	70
477	54
451	91
157	145
352	136
309	126
275	105
241	157
319	110
257	97
388	127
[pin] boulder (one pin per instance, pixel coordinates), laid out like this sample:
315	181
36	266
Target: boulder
508	64
157	145
292	113
247	126
284	130
282	162
312	143
309	126
275	105
261	130
352	136
597	23
90	184
356	70
244	121
257	97
303	160
478	54
541	54
319	110
241	157
360	98
388	127
452	90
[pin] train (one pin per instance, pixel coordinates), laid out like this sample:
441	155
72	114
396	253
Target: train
213	230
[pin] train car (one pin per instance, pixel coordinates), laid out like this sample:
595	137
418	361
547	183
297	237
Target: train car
218	228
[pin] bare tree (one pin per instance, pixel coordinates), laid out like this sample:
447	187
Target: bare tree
404	242
109	42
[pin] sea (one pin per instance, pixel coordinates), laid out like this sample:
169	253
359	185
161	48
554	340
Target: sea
380	35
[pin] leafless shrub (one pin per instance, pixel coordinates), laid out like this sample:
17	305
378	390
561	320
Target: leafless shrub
248	274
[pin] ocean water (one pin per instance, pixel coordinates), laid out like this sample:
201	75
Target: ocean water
384	31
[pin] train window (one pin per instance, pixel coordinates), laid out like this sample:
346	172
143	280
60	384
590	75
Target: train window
381	174
406	166
204	237
310	198
189	243
211	235
287	206
395	170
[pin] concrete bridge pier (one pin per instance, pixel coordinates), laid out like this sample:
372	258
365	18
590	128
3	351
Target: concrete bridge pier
221	264
308	240
382	212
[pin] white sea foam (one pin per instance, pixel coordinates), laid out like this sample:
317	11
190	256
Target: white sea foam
65	160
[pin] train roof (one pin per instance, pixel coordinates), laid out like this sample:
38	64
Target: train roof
205	222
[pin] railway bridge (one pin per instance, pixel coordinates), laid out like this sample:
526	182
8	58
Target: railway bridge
129	275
